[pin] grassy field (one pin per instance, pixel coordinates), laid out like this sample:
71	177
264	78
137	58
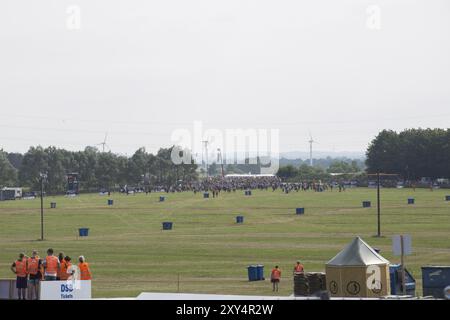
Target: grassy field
129	253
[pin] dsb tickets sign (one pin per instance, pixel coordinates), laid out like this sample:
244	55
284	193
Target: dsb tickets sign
66	290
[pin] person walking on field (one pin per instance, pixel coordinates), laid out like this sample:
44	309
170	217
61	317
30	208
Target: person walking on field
19	267
298	268
83	266
275	277
34	271
51	266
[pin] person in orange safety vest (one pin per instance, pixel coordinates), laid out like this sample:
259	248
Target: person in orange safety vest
275	277
298	268
61	262
65	266
34	271
19	267
83	266
51	266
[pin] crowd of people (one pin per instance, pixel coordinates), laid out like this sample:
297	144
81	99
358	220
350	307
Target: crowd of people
218	184
233	183
316	186
31	270
229	184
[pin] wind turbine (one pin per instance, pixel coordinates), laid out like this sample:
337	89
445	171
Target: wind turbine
103	144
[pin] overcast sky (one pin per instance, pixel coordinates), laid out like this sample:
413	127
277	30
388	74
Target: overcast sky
140	69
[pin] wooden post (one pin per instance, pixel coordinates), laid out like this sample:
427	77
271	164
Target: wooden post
403	265
178	290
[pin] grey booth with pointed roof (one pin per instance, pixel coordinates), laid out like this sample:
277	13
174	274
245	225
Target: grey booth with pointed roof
358	271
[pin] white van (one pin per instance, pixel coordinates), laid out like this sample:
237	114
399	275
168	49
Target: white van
17	191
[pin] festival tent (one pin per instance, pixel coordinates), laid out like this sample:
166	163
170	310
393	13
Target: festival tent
358	271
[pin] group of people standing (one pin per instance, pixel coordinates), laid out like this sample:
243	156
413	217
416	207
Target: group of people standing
31	270
275	274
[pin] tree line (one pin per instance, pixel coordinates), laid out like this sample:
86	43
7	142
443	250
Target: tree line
330	164
306	172
412	153
97	170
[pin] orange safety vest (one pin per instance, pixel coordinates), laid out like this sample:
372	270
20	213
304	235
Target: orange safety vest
51	265
85	273
63	275
21	268
58	273
276	274
298	268
33	265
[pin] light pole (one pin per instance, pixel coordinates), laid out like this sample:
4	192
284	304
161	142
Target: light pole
219	158
42	177
205	142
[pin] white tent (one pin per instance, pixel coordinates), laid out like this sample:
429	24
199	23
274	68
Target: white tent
357	253
259	175
358	271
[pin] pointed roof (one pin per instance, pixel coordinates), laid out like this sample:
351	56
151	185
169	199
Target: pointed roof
357	253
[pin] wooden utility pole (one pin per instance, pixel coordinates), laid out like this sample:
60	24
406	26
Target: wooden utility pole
378	205
42	177
402	261
378	175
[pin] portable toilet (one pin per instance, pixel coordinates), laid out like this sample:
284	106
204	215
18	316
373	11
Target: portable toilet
260	272
300	210
252	273
358	271
410	200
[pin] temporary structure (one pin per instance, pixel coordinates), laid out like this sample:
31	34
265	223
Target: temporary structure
358	271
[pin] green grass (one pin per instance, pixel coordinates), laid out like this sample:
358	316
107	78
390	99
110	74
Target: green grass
129	253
